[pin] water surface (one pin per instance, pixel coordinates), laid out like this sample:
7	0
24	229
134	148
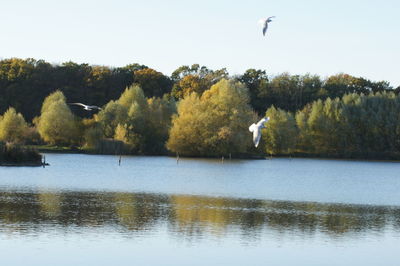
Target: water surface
87	210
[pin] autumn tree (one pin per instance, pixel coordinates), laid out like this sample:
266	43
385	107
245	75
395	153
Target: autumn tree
152	82
189	84
12	126
57	125
195	79
215	123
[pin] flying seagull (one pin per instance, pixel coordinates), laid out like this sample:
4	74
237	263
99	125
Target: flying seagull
264	22
256	129
87	107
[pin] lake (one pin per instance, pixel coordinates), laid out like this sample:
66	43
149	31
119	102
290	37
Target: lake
88	210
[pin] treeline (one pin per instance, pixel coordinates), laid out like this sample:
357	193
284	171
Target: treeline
201	112
24	83
215	123
354	126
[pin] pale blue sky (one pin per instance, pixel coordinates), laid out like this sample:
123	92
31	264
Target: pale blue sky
361	38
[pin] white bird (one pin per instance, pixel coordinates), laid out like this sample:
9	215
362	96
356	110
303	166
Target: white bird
256	129
264	22
87	107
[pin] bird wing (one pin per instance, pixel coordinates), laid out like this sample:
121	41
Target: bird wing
265	28
256	129
256	137
262	21
94	107
252	127
80	104
262	121
269	19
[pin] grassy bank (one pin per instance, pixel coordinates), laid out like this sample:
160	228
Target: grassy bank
375	156
55	149
17	155
113	150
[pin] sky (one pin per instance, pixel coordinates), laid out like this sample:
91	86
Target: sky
321	37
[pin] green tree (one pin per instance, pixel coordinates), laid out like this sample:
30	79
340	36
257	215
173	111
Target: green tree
286	91
92	133
281	132
356	125
341	84
304	139
133	95
141	123
112	114
256	81
133	130
158	123
131	102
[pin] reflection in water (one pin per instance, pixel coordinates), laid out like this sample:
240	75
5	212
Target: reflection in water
50	203
188	216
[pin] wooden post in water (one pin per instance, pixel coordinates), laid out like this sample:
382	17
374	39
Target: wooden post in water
119	161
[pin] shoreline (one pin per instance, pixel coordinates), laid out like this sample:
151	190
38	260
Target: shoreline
24	164
242	157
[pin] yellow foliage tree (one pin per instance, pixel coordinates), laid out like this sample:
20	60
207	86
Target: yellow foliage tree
214	124
13	127
131	95
57	124
53	97
189	84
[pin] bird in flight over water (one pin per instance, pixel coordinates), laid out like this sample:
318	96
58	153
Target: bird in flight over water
264	22
256	129
87	107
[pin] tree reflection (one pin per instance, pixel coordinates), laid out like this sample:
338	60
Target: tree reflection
189	216
50	203
138	211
